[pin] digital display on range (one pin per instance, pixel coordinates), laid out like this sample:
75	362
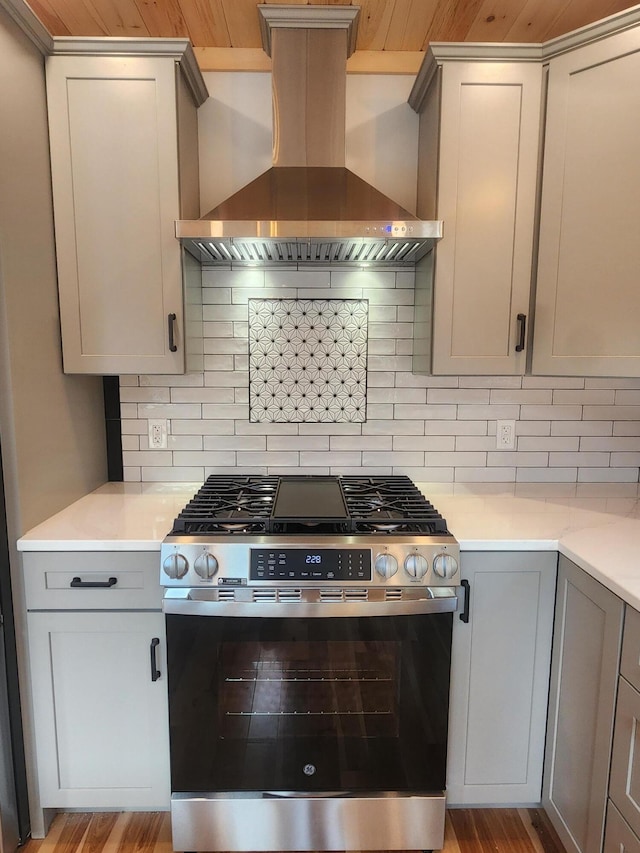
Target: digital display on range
317	564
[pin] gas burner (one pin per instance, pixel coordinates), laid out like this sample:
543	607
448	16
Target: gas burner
318	505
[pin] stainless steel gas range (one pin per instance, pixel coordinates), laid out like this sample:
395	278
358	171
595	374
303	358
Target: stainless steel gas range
309	640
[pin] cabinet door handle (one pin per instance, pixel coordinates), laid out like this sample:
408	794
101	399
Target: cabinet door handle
78	583
522	322
171	319
155	672
464	616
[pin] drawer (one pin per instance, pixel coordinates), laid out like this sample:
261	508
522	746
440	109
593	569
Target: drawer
92	580
630	661
618	835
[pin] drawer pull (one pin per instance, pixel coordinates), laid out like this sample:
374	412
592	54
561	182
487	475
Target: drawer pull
155	672
78	583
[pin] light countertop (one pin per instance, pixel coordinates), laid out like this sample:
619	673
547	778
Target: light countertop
595	525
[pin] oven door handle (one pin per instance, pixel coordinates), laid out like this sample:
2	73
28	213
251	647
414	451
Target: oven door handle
197	603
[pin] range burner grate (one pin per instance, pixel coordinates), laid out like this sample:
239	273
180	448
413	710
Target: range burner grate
233	505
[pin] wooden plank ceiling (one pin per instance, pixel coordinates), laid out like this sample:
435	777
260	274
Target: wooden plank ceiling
392	34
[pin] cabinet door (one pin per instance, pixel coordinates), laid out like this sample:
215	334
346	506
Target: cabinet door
101	722
499	679
587	299
490	119
114	161
584	676
624	785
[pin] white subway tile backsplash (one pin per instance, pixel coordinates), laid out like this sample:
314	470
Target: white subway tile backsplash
551	413
217	329
627	428
627	398
458	395
396	458
546	475
202	395
397	395
439	429
531	428
131	442
598	382
192	380
427	442
340	459
608	475
530	396
625	459
518	459
319	443
366	442
221	313
202	427
622	443
549	443
485	475
489	413
552	382
490	382
582	428
613	413
427	412
587	459
233	279
235	442
585	397
396	427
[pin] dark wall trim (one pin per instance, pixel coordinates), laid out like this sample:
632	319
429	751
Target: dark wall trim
111	389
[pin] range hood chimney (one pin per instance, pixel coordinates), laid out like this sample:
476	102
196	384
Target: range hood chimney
308	208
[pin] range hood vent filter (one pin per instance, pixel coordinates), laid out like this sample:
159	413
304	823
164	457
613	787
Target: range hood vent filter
359	251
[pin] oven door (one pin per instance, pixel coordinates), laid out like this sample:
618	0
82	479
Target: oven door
266	710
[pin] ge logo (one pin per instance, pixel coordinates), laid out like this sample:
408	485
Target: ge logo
309	769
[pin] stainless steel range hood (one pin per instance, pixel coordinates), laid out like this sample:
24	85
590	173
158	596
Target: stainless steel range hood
308	208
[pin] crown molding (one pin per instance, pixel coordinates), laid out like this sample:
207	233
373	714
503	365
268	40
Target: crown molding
309	18
178	49
30	25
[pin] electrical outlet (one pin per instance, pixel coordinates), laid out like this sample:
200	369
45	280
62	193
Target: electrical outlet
505	435
158	434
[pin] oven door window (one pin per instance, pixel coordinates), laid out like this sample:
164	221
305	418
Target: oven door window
349	704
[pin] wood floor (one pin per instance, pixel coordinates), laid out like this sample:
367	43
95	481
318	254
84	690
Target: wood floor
467	831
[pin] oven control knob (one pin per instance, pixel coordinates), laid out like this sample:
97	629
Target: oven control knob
206	565
416	565
175	565
386	565
445	566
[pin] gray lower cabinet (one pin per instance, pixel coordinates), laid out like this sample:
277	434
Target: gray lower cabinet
500	679
98	671
582	699
623	813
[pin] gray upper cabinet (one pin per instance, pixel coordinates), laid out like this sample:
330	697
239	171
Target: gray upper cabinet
124	155
588	299
477	171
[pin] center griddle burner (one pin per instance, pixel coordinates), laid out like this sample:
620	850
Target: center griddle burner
229	505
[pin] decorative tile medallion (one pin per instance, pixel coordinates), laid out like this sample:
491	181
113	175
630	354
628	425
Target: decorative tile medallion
308	360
